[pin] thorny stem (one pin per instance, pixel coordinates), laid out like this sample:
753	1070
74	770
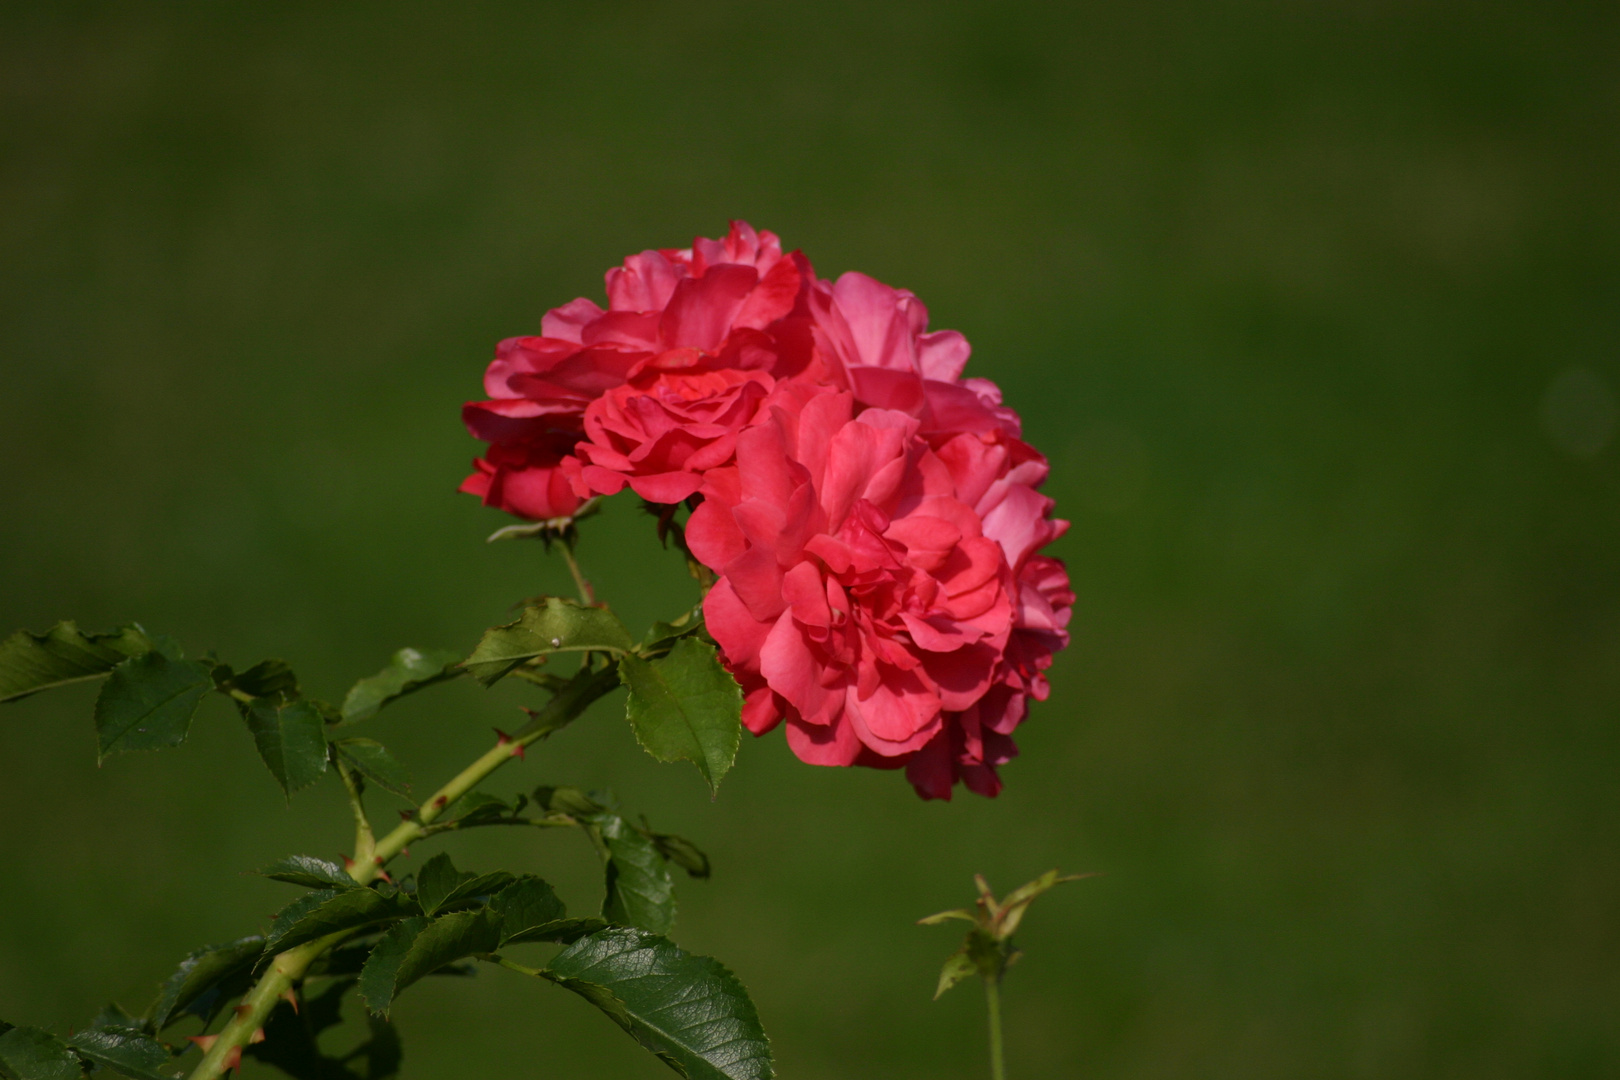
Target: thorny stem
288	968
992	996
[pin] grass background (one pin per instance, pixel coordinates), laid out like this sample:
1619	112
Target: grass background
1314	307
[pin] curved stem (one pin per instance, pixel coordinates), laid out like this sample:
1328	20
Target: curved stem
288	968
992	995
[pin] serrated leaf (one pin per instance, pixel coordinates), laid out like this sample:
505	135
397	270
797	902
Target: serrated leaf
439	885
147	703
690	1011
557	625
290	738
126	1052
661	635
477	806
62	655
408	670
640	891
563	931
419	946
325	911
200	972
113	1016
686	705
310	872
526	906
373	761
28	1053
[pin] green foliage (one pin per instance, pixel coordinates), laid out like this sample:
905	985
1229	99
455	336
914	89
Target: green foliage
31	1054
555	626
690	1011
292	1040
529	911
64	654
310	872
126	1052
639	889
372	760
147	703
209	971
439	885
408	670
419	946
267	678
325	911
291	739
686	705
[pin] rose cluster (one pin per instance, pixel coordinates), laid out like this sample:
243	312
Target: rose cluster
872	517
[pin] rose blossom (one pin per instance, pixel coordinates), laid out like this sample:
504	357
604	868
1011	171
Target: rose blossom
649	385
882	598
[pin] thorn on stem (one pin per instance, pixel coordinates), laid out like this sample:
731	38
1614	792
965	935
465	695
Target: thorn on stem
502	739
290	996
204	1043
406	815
257	1036
233	1060
242	1011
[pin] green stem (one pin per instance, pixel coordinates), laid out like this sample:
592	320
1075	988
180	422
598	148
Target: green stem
288	968
587	595
992	996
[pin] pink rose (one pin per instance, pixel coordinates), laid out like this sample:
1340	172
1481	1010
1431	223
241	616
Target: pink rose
672	315
865	600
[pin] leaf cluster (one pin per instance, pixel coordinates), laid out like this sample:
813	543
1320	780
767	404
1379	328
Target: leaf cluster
988	951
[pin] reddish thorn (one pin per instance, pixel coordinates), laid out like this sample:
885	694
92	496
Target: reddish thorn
291	998
501	737
242	1011
441	802
348	863
257	1036
405	852
406	815
233	1060
204	1043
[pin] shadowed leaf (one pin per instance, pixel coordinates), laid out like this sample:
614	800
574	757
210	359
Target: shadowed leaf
290	739
318	913
639	889
147	703
373	761
527	905
64	654
200	972
408	670
419	946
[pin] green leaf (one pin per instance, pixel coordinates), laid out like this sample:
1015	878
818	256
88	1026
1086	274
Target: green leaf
64	654
290	739
324	911
113	1016
267	678
639	889
309	871
125	1052
1016	903
564	931
556	626
419	946
958	966
688	1010
477	806
686	705
408	671
440	885
526	906
31	1054
148	702
373	761
682	852
205	969
661	635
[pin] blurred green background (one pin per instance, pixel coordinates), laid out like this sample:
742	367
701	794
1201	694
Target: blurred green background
1313	305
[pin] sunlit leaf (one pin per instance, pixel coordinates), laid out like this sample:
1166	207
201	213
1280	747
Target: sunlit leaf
690	1011
310	872
28	1053
557	625
686	705
290	738
126	1052
639	889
